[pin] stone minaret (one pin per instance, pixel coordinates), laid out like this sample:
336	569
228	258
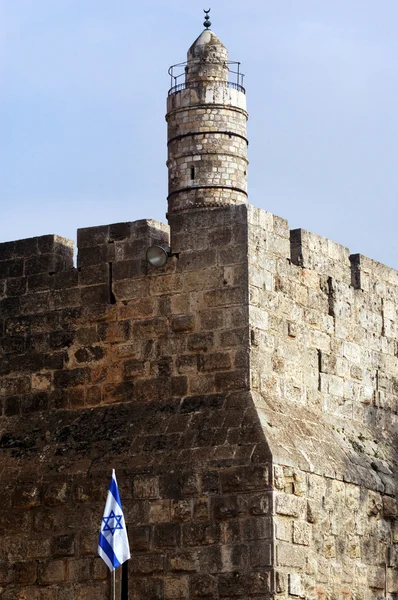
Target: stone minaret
206	117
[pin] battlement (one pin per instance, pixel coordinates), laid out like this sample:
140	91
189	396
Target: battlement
46	262
311	251
314	326
32	267
45	254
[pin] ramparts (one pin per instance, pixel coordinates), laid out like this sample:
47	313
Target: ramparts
246	394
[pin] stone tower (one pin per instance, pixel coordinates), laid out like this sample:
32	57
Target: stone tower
245	392
206	117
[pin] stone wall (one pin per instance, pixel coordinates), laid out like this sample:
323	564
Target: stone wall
324	368
116	364
245	394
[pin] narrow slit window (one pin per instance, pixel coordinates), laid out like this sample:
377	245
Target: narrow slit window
192	173
111	295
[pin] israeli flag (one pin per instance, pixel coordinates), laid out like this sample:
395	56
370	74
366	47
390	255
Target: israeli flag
113	545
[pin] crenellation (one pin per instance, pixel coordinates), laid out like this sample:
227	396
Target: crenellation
318	253
45	254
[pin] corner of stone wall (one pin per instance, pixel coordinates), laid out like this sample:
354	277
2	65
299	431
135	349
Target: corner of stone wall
29	268
269	232
118	241
191	230
111	257
31	256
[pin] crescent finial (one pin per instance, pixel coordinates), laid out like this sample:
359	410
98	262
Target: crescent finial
207	22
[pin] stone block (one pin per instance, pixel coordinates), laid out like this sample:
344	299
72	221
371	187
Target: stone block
95	255
376	577
181	510
199	534
219	361
294	585
301	534
63	545
329	546
95	294
165	284
260	504
130	289
395	532
160	511
184	560
226	507
5	574
392	554
199	403
260	554
80	570
52	572
176	587
146	564
167	535
100	570
90	237
72	377
203	586
392	581
89	354
248	478
224	297
38	548
257	528
140	537
183	323
145	588
210	319
26	496
234	337
232	380
129	269
16	286
225	558
203	279
288	555
284	529
289	505
25	573
240	584
67	298
390	508
94	274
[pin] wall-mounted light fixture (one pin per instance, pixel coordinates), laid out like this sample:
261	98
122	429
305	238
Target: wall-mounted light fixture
157	255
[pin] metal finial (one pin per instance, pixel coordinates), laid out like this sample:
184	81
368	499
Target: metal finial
207	22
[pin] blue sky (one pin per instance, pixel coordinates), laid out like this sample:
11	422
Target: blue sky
82	104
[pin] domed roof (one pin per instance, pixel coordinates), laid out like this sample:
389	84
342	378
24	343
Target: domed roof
207	43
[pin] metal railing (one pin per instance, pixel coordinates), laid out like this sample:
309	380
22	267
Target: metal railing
179	70
195	84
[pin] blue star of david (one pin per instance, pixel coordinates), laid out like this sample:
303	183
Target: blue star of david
117	522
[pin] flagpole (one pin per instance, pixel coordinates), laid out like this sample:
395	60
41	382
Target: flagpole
114	584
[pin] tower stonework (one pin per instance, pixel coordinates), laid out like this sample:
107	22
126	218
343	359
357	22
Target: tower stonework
207	142
246	392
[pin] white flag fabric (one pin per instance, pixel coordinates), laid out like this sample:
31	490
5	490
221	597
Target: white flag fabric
113	544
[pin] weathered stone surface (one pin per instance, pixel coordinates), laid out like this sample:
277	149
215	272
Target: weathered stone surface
245	393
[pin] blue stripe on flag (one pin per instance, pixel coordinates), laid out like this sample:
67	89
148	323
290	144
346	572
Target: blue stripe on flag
107	548
115	492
